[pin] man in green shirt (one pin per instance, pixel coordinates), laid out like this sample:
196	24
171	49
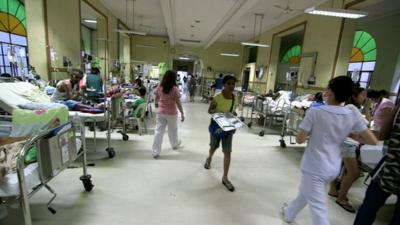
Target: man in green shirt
94	82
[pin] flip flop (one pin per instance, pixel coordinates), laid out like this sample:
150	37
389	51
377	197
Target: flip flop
336	196
228	185
207	164
346	206
332	195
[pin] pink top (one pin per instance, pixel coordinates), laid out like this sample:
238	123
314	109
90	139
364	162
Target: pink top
378	113
167	102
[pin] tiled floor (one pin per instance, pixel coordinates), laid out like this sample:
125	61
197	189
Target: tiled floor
133	188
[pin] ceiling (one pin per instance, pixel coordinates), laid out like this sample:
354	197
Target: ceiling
200	23
88	13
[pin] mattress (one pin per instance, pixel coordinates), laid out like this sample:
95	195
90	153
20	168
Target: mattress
89	117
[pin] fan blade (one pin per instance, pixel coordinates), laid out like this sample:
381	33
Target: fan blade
279	7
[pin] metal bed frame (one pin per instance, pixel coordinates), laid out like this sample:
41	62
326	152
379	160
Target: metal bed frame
266	111
290	124
51	162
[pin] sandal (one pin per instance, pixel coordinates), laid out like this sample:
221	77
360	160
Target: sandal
207	164
346	206
336	196
228	185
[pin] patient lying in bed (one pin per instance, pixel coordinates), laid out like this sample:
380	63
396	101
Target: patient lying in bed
67	93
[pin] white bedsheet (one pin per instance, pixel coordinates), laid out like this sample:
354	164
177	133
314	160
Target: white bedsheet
11	95
371	154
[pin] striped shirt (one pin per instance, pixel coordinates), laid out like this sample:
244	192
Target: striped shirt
390	176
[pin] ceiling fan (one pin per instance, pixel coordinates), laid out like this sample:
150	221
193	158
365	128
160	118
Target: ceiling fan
285	10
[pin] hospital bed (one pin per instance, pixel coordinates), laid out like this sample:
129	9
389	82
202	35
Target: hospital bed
19	93
56	149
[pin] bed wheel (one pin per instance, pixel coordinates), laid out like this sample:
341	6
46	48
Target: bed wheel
283	144
87	182
111	152
241	118
125	137
261	133
250	124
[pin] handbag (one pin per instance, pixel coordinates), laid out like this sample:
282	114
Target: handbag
215	130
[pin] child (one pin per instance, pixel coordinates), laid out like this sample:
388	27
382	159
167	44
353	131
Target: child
326	127
137	102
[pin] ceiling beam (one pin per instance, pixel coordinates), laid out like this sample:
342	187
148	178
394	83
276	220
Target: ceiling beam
168	9
232	16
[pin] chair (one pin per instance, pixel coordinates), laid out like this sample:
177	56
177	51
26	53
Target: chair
141	122
149	107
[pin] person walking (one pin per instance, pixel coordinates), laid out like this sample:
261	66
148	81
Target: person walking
223	102
167	100
325	127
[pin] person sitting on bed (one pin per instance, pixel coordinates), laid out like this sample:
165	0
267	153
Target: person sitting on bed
67	93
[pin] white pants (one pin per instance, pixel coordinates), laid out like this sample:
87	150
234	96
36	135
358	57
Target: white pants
313	193
162	121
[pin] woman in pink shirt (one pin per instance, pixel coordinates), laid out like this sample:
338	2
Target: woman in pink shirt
167	102
382	109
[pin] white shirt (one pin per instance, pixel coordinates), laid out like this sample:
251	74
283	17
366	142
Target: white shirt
328	127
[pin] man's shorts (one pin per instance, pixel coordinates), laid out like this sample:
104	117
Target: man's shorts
226	142
348	150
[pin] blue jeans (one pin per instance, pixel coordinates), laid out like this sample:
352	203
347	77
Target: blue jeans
374	199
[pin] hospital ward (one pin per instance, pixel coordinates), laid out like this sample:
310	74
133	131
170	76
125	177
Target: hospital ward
195	112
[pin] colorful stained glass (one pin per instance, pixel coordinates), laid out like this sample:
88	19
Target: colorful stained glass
12	17
364	47
293	55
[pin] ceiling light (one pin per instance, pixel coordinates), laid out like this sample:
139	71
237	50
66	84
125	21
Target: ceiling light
345	13
254	44
130	32
230	54
146	46
90	21
184	58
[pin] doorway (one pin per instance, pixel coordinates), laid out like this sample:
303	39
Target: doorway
183	68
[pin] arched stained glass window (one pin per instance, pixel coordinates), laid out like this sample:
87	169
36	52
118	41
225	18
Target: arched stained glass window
13	41
12	17
364	47
293	55
363	58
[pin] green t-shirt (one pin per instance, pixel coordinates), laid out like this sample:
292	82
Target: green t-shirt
223	104
136	103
